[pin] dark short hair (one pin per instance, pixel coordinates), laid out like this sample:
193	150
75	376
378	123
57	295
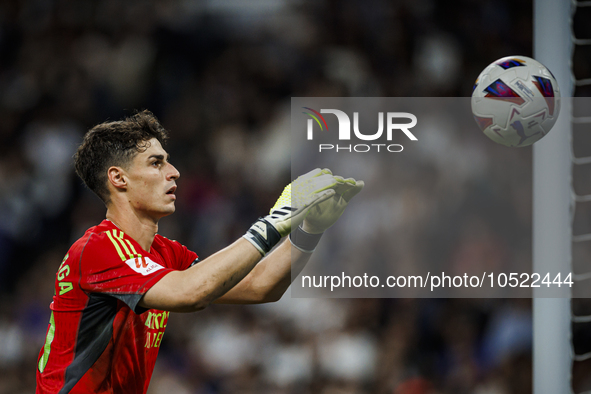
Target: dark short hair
115	144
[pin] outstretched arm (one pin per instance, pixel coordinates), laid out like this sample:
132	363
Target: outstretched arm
200	285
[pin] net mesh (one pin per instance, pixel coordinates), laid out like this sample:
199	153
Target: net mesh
581	195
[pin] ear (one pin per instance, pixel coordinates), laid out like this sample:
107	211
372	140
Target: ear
117	178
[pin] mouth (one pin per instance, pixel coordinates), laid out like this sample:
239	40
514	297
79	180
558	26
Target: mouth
171	191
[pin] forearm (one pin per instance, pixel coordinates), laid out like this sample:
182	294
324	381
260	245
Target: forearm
269	280
200	285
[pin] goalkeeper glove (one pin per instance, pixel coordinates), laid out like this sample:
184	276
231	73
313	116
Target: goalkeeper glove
291	208
324	214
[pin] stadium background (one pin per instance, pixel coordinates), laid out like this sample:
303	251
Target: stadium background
219	75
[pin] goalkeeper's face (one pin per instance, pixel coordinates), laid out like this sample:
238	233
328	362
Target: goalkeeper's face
151	182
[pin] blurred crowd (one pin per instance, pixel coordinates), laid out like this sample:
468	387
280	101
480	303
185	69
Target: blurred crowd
220	74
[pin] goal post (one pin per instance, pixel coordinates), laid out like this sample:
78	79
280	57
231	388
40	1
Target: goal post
552	204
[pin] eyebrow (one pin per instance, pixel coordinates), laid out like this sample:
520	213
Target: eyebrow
160	157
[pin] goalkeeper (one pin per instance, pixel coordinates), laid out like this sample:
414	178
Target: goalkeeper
117	284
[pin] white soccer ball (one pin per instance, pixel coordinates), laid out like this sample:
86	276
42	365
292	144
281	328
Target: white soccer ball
515	101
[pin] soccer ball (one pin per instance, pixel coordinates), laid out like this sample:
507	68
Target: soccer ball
515	101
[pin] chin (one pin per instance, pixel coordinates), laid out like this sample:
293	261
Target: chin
168	210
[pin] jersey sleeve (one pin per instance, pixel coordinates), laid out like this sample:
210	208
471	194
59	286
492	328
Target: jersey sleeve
182	257
107	268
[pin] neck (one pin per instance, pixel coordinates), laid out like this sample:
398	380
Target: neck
141	229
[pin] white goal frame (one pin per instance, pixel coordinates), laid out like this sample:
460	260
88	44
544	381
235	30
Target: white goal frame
552	230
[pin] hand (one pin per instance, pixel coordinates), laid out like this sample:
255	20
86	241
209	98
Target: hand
292	207
324	214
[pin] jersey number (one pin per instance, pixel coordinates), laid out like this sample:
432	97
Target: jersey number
63	271
47	347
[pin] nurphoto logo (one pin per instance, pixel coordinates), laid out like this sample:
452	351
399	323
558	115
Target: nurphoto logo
393	123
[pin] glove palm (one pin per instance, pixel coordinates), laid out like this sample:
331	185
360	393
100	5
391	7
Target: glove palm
324	214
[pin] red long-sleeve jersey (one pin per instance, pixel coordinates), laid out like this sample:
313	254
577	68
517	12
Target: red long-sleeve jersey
98	339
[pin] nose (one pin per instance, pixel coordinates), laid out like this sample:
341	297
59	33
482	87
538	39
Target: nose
173	174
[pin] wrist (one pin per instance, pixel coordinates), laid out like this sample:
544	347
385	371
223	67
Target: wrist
263	235
303	240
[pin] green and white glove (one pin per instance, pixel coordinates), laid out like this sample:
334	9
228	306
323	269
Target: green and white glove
291	208
324	214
